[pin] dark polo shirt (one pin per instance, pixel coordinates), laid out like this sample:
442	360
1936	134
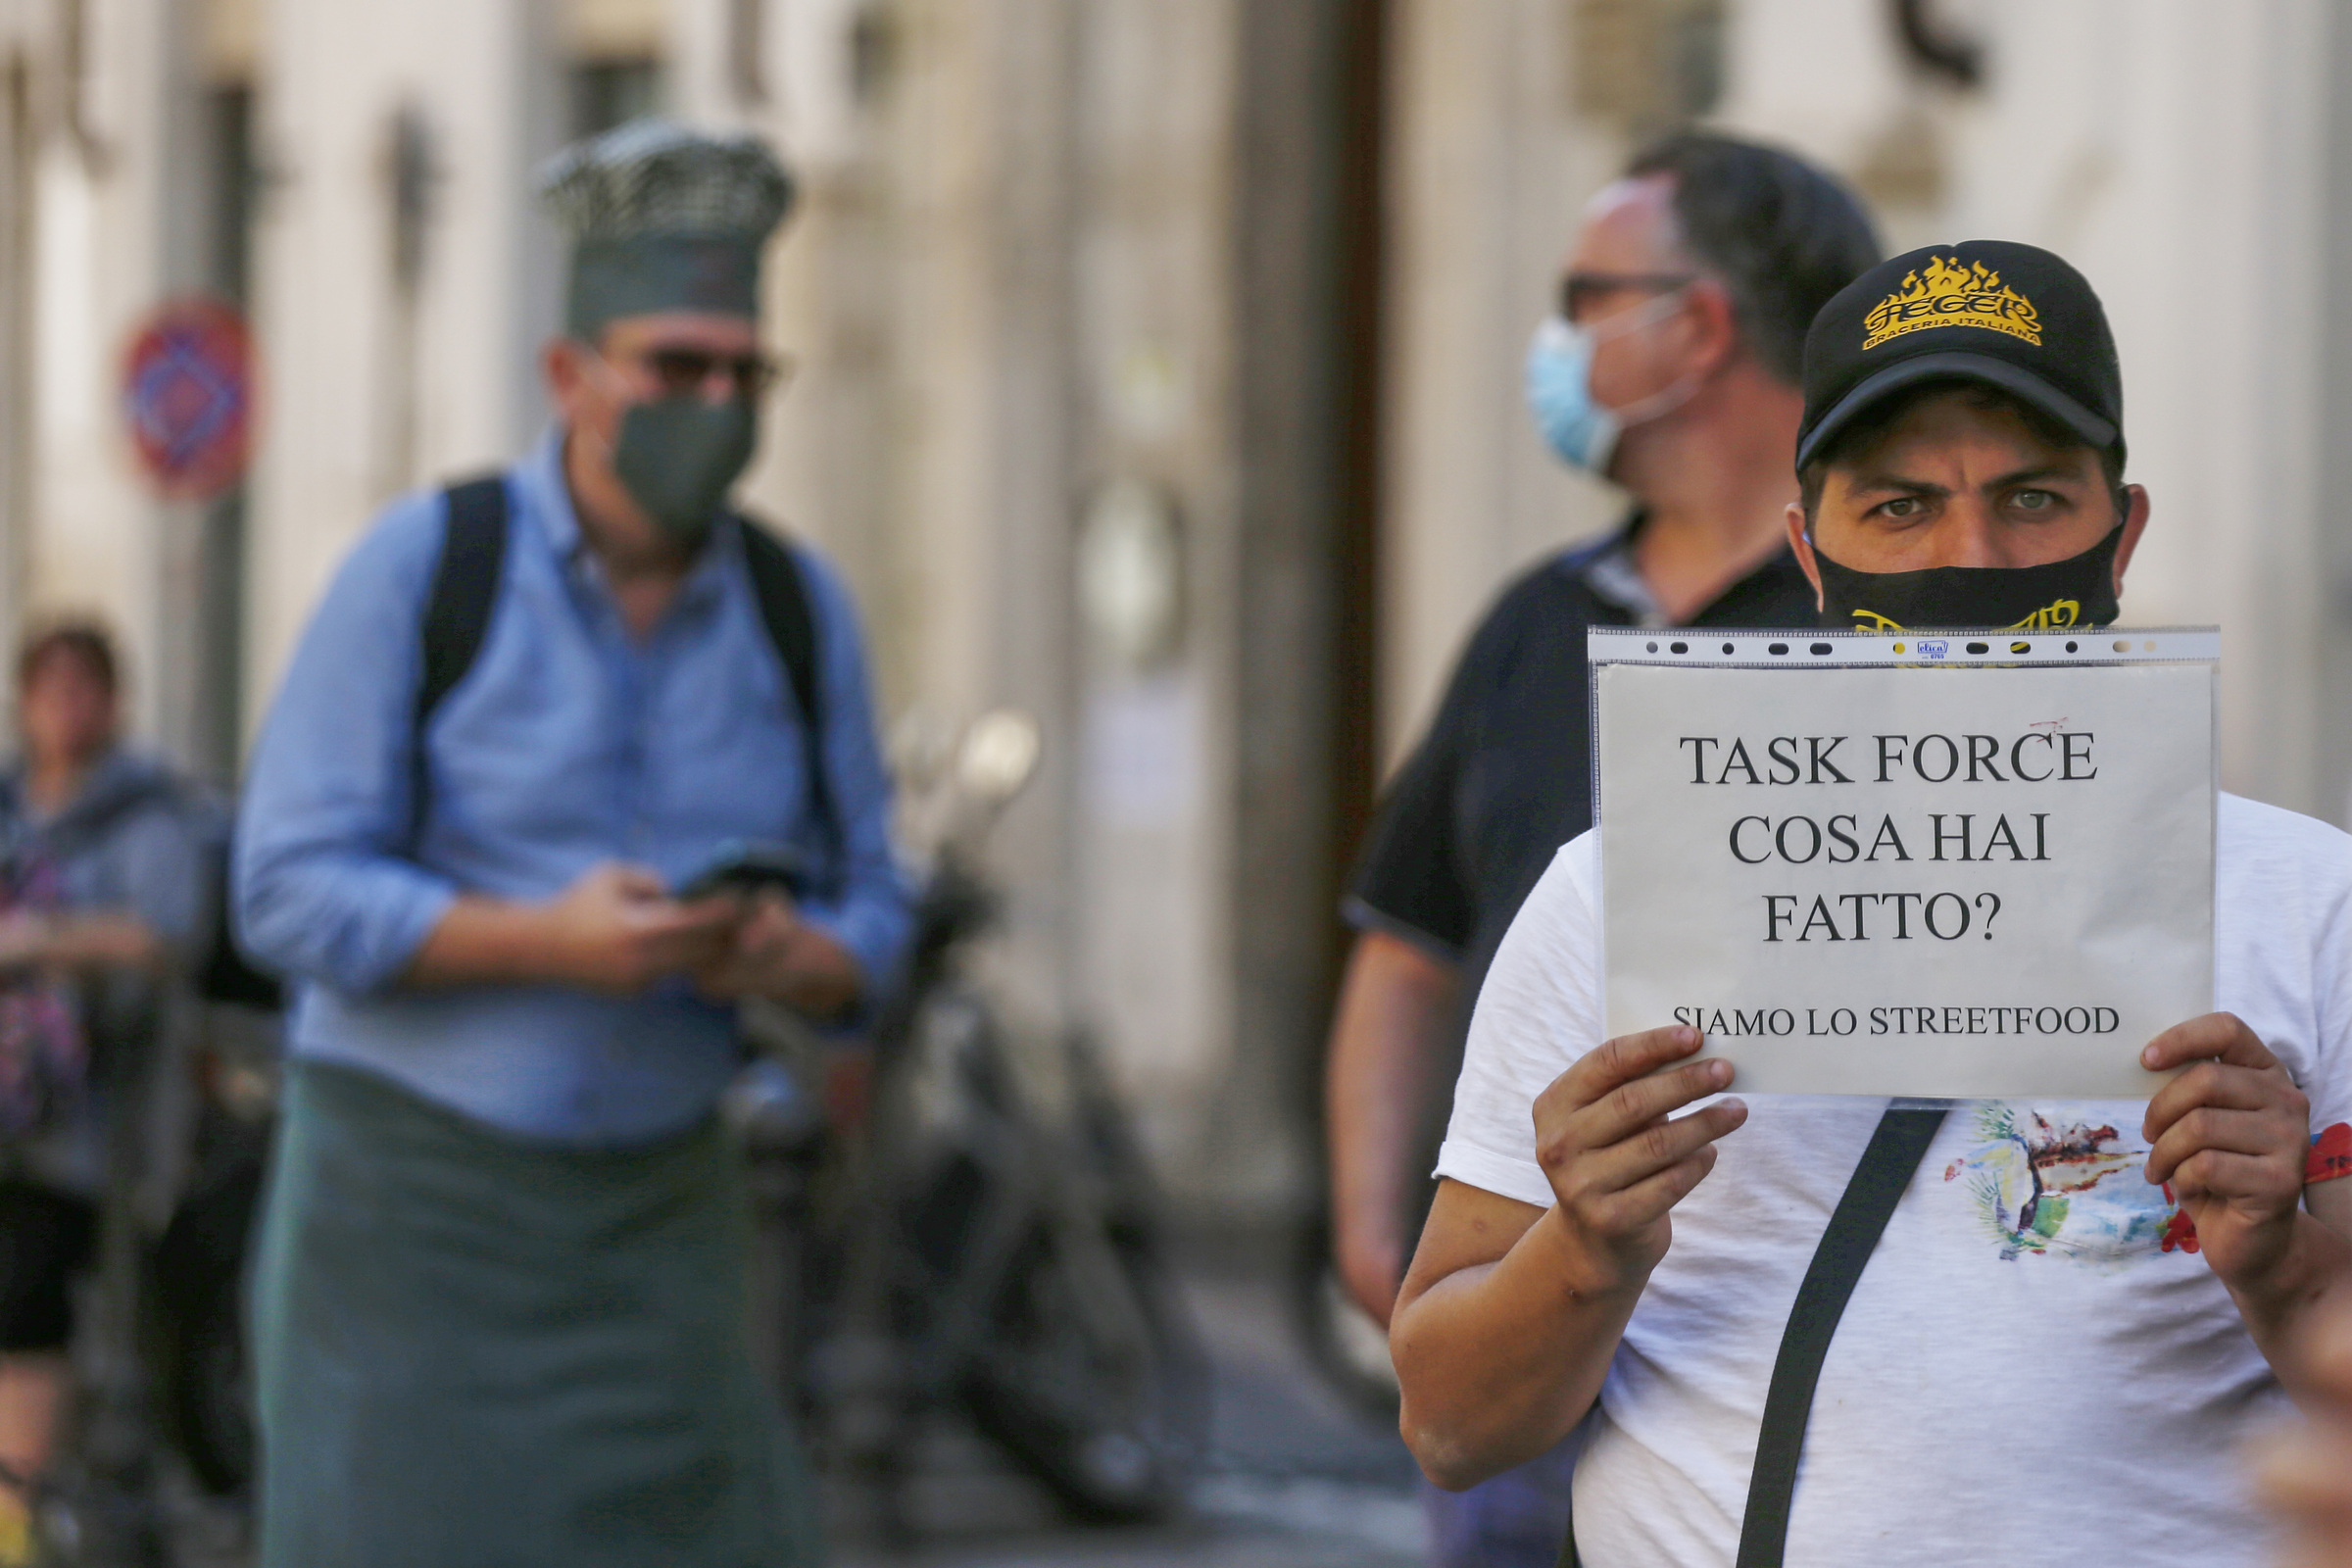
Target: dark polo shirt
1504	777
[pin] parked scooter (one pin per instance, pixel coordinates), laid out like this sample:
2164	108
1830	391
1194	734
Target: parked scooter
981	1234
194	1321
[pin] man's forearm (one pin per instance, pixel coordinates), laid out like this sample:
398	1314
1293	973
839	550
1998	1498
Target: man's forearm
2315	1271
1372	1129
484	941
1393	1013
98	942
1499	1362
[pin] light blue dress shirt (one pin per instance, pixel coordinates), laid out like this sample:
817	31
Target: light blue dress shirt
569	742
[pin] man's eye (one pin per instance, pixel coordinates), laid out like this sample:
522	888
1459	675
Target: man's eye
1904	507
2033	501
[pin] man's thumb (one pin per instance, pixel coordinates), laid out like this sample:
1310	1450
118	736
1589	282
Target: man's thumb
636	882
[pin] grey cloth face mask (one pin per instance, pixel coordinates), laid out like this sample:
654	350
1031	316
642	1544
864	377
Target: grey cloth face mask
678	457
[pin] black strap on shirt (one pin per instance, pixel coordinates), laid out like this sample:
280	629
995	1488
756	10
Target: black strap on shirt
457	616
1894	1152
465	594
1885	1170
783	596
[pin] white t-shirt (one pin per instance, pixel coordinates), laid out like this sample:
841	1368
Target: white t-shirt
2051	1378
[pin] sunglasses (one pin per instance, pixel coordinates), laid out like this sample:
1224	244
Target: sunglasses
685	372
1579	291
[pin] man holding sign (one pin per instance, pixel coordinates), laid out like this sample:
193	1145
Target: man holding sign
2077	1305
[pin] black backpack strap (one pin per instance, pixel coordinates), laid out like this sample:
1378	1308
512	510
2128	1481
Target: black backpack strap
457	618
457	612
1885	1171
782	591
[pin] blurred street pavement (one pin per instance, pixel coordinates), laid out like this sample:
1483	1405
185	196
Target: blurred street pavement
1297	1477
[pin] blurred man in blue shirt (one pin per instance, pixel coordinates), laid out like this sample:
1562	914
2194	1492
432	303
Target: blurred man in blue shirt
499	1306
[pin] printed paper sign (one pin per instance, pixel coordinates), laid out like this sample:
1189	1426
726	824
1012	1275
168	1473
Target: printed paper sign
1945	878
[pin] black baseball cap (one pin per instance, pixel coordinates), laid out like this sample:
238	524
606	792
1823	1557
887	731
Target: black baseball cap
2010	316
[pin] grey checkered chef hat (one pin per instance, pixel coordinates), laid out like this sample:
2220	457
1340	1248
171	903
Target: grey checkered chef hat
665	219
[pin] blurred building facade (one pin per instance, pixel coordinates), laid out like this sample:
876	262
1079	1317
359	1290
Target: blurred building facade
1159	370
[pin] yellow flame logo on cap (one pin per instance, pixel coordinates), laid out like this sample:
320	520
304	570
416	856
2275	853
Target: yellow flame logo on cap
1944	293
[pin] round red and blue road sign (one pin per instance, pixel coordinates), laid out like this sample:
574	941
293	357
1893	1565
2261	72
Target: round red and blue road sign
188	396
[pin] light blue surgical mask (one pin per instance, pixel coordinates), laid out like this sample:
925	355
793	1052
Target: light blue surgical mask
1559	385
1559	394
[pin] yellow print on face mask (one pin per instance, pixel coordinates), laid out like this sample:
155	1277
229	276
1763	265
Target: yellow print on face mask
1948	294
2058	614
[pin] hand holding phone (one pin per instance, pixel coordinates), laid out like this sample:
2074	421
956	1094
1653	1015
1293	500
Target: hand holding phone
776	954
615	929
746	868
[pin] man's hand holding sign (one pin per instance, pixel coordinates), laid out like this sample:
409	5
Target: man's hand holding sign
1963	865
2232	1139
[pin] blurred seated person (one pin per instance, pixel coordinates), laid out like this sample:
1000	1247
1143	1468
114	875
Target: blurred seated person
103	878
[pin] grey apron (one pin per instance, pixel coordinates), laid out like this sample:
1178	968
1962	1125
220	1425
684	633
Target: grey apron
472	1350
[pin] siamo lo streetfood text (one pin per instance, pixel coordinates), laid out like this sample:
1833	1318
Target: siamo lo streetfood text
2044	756
1722	1022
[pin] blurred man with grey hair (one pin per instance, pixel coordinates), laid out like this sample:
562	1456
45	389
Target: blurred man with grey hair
1670	367
499	1304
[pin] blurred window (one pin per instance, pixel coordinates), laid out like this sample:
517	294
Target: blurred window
606	93
218	722
871	46
1647	65
233	177
17	144
746	47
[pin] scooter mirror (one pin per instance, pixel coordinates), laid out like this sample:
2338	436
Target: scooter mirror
999	754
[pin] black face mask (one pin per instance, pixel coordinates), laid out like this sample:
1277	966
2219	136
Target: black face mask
2078	591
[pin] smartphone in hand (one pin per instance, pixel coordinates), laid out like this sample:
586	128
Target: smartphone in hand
747	867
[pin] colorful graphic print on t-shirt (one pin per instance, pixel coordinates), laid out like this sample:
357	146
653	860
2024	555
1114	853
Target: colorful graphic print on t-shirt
2331	1155
2068	1185
2065	1185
